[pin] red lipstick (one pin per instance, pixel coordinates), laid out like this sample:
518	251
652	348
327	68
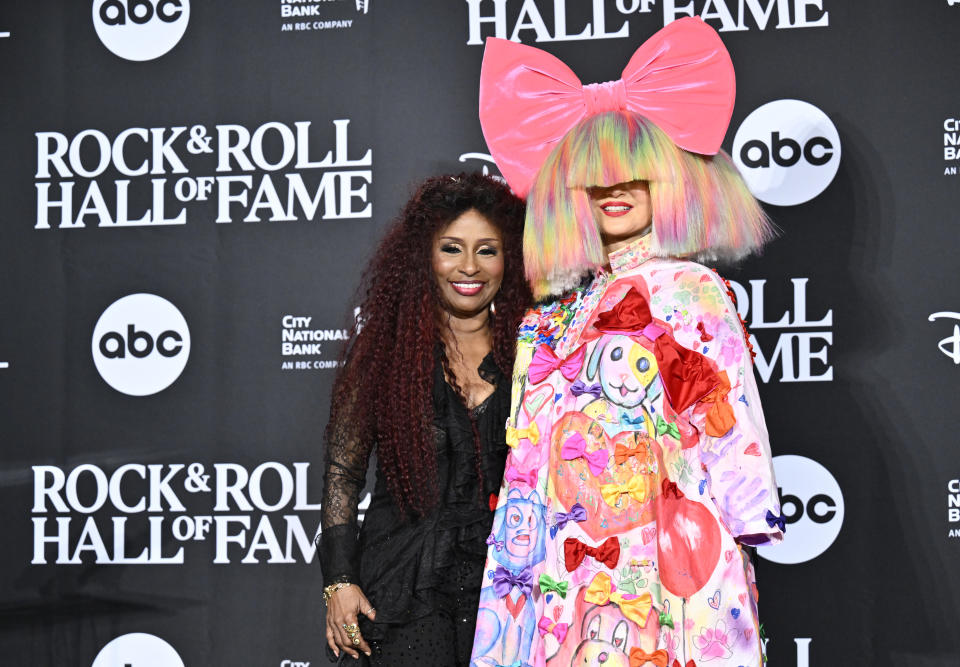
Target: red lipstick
615	209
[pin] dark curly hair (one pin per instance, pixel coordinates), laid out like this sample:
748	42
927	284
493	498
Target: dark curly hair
383	391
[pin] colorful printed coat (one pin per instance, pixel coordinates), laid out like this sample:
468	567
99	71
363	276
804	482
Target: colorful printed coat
639	465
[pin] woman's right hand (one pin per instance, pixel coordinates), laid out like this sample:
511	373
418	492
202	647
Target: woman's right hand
343	609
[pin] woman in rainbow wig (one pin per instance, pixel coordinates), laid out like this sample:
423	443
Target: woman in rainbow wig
640	465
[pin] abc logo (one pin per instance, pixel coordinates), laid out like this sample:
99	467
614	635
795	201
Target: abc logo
812	507
140	29
138	649
141	344
788	152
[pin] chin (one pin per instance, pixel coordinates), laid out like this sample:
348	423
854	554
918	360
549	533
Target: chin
467	307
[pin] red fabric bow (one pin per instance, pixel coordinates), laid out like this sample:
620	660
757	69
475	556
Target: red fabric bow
639	657
574	551
690	663
545	361
687	375
681	79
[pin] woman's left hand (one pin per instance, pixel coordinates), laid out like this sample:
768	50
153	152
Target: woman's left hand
343	608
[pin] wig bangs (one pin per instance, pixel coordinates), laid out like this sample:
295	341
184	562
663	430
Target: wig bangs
702	208
619	147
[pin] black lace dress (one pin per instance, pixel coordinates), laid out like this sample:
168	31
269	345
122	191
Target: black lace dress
422	575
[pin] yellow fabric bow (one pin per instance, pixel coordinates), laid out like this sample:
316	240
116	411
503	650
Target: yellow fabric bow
602	591
635	488
515	435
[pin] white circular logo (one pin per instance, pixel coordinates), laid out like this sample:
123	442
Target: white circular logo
812	506
141	344
138	649
788	152
140	29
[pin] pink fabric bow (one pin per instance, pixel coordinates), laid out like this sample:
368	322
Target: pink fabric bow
576	447
681	79
558	630
545	361
514	474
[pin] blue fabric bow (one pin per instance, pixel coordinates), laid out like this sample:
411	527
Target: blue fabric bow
774	520
577	513
578	388
504	581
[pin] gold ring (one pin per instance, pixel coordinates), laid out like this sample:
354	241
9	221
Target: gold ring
351	628
356	642
367	612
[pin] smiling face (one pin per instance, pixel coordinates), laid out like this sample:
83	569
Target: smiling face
468	264
623	212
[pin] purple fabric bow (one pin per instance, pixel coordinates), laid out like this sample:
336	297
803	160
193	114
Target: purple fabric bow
577	513
778	521
504	581
497	544
578	388
576	447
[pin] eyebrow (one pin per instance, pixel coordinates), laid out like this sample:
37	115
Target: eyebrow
459	240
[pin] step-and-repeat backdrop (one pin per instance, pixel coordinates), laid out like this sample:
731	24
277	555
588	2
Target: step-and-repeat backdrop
190	191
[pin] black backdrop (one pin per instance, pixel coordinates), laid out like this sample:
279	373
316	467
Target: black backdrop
198	463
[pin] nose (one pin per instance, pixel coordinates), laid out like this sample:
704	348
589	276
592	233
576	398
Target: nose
468	266
603	657
614	190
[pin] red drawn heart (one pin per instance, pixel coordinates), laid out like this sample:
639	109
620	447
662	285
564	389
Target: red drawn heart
747	633
573	481
743	599
728	555
752	450
648	533
515	607
557	612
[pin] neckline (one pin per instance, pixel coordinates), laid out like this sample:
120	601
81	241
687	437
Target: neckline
632	255
488	371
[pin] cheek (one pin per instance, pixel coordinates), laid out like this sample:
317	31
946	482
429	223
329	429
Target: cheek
496	269
441	267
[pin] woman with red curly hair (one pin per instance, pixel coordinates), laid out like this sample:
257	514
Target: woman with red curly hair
426	384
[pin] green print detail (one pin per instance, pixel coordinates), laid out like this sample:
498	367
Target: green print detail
683	470
632	581
683	296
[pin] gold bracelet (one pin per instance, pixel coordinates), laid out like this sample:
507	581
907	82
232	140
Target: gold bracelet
328	591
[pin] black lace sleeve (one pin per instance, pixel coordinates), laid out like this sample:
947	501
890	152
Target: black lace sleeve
346	460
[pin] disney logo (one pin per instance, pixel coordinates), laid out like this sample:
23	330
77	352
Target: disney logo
950	345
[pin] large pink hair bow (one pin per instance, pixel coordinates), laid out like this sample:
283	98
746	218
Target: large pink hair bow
681	79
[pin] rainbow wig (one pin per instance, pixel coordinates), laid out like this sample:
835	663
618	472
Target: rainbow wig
702	208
